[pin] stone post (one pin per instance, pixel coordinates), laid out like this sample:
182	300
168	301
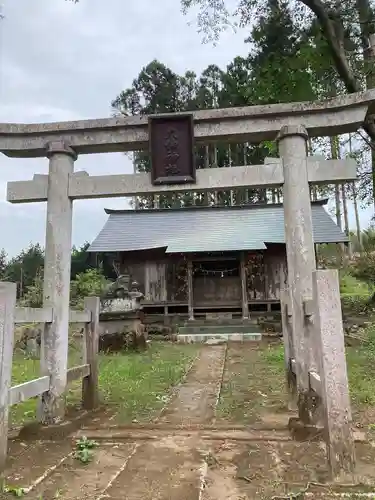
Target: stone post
190	288
334	387
90	389
8	294
245	304
300	255
54	355
288	349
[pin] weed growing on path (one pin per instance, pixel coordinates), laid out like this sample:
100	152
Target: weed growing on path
135	384
84	450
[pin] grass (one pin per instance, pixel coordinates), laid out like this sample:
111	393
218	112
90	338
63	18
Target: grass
351	286
251	385
135	383
361	372
254	382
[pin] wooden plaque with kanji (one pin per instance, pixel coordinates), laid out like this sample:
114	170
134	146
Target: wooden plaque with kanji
172	149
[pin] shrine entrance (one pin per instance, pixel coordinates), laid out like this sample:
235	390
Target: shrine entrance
312	324
217	283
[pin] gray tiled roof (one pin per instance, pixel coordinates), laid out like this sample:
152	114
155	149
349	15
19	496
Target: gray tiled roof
205	229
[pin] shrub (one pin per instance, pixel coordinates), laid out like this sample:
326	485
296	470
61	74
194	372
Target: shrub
350	285
34	293
88	284
363	267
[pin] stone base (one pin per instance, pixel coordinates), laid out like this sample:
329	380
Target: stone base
231	337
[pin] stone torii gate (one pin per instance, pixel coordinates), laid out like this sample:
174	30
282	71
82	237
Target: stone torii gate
314	345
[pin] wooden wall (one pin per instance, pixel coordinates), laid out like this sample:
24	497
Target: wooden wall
269	275
160	279
275	271
164	279
155	281
209	289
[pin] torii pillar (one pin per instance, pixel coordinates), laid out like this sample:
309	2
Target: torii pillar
56	291
292	141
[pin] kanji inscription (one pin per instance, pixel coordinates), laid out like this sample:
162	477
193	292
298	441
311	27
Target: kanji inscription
172	149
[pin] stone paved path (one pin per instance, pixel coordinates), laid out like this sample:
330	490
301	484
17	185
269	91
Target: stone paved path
183	455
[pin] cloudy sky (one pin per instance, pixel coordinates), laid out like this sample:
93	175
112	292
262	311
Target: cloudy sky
60	61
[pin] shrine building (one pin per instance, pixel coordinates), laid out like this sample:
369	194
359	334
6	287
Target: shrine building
198	260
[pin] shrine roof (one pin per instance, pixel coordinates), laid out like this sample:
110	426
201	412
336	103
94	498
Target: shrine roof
206	229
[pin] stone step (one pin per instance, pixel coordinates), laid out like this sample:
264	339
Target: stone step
221	322
222	337
218	329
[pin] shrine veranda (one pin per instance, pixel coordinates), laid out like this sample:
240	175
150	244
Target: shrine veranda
311	309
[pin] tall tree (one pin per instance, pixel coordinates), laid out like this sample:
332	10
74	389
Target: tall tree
23	268
157	89
80	260
338	22
3	263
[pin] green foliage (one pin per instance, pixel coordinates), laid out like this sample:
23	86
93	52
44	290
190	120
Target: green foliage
350	285
301	50
84	450
3	263
80	258
15	491
363	267
136	384
357	304
360	363
368	239
361	369
85	443
26	269
34	293
355	294
278	43
87	284
23	268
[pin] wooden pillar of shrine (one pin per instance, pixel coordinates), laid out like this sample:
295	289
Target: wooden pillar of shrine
190	288
245	304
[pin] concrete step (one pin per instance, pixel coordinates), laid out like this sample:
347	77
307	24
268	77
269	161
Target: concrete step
221	322
218	329
224	337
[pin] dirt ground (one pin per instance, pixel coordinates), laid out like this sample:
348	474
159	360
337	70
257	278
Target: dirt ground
223	436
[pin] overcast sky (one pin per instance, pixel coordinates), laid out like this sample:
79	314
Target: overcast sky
61	61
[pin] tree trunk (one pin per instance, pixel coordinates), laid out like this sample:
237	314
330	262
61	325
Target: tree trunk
246	191
356	213
355	202
230	162
346	218
345	209
215	165
135	198
367	27
206	194
331	26
334	156
338	206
